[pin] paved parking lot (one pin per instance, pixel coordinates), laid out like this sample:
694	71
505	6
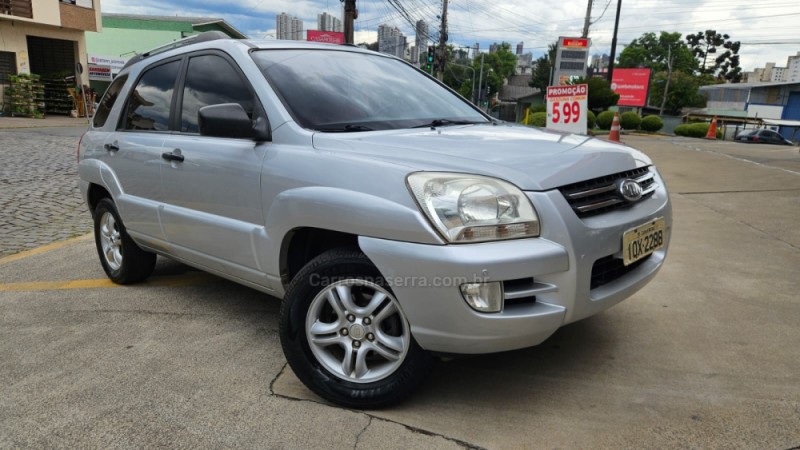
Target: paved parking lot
39	198
707	356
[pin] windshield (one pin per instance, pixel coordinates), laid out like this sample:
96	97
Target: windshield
336	91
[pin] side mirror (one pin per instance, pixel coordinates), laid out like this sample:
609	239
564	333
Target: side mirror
229	120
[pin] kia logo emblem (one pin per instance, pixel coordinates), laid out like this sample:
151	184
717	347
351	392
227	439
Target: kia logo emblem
630	190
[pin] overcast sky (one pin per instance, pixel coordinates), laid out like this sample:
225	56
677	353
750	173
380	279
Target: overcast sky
768	29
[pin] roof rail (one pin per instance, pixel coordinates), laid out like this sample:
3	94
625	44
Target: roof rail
195	39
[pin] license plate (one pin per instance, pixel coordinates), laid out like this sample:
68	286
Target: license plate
643	240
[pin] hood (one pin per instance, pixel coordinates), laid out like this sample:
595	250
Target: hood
533	159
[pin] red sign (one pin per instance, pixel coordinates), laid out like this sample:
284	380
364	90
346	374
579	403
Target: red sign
631	85
328	37
575	43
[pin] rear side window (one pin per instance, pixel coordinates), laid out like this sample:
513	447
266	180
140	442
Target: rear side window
211	80
107	102
150	101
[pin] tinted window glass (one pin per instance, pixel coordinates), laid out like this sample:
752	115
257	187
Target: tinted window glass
328	90
149	104
211	80
107	102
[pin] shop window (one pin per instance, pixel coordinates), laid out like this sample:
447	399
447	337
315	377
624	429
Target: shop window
19	8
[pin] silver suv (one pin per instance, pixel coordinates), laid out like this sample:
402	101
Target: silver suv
396	221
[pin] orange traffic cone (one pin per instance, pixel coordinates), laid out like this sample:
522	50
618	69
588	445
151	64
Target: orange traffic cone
614	134
712	130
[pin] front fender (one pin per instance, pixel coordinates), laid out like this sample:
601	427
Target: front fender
345	211
348	211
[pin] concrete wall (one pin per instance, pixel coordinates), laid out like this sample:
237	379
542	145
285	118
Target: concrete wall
765	111
127	42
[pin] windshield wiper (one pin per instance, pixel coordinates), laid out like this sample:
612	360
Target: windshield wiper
345	129
442	122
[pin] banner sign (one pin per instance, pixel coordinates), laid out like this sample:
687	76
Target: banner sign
328	37
631	85
99	73
567	108
116	63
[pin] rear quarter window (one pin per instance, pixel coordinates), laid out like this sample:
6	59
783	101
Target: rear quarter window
107	102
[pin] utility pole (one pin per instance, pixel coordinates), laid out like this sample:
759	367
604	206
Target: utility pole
614	44
669	77
350	14
443	42
480	84
586	21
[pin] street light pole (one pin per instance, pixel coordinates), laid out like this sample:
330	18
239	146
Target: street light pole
472	92
480	81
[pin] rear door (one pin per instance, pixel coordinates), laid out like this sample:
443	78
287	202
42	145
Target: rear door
134	149
212	198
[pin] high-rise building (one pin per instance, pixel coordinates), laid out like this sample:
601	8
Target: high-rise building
493	48
792	72
420	40
289	28
391	41
520	48
476	50
329	22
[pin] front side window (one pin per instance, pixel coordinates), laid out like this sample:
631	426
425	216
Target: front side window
331	90
107	102
149	103
211	80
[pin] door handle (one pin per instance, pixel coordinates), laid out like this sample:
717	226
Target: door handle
169	156
111	147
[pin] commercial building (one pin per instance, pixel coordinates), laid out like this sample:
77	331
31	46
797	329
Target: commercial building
391	41
125	35
771	104
420	41
771	73
289	28
47	38
328	22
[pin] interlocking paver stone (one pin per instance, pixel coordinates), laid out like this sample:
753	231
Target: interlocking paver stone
39	198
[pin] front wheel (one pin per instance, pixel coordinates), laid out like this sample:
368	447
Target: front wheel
346	337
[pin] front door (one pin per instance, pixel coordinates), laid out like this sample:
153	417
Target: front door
212	192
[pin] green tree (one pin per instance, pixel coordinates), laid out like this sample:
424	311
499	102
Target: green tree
542	68
653	51
601	97
370	46
683	91
716	54
497	67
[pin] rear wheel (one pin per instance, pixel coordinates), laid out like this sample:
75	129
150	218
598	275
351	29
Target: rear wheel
346	337
123	261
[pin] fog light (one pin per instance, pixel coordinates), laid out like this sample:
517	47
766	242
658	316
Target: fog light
484	297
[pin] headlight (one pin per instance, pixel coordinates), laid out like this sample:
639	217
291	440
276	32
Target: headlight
472	208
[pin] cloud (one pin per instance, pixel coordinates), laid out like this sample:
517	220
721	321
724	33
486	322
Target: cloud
535	24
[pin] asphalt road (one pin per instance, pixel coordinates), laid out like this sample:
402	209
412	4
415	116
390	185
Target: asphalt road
707	356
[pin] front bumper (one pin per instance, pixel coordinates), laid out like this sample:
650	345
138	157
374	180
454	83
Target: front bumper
426	278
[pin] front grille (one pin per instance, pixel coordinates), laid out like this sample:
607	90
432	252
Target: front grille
599	195
605	270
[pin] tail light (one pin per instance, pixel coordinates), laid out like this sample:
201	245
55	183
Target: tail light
755	138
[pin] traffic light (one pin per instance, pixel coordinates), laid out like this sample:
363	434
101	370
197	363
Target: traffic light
429	61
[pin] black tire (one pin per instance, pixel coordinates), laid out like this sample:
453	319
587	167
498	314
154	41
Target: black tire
136	264
333	265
